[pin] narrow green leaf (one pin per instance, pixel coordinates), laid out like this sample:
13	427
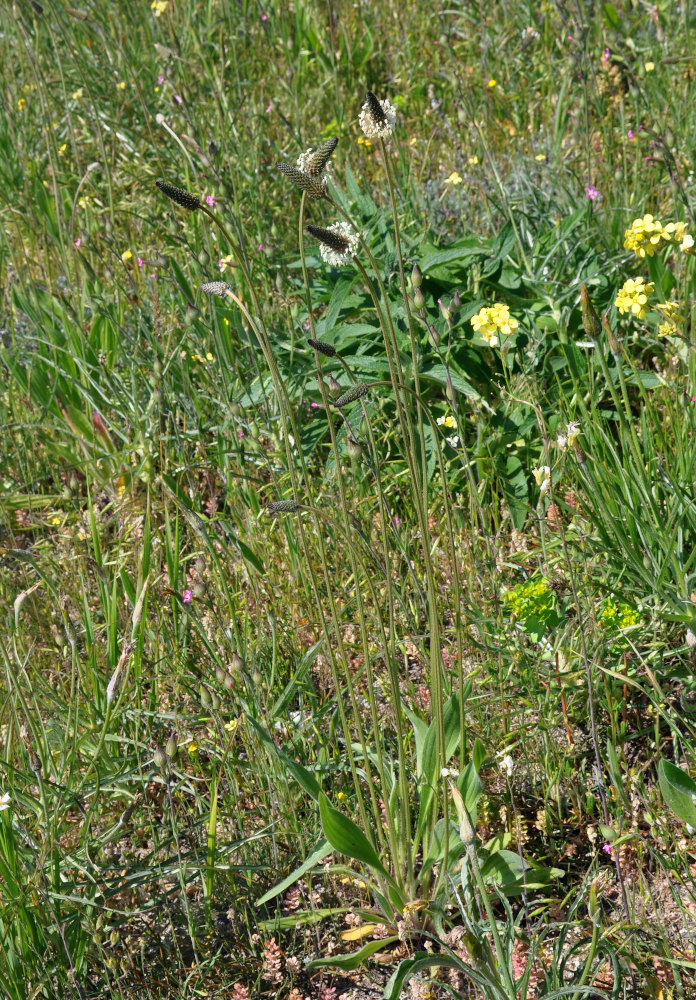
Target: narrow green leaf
321	851
346	963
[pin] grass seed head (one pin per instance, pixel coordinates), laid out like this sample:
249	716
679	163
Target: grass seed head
179	195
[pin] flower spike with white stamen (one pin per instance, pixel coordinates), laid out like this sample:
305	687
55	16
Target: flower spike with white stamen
377	118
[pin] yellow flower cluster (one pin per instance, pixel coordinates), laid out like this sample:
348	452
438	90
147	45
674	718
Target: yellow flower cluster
159	7
493	319
671	318
633	296
647	235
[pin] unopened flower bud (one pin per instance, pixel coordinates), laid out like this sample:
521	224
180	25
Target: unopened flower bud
236	662
257	678
416	276
456	303
418	297
335	387
172	747
220	674
160	759
590	320
206	700
354	448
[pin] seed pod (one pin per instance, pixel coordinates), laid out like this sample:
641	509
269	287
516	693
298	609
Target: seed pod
355	392
236	662
416	276
257	678
206	700
179	195
418	297
160	759
322	347
220	674
310	185
282	507
215	701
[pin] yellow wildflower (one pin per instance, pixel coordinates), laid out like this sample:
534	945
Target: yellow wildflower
121	85
159	7
77	94
492	83
126	255
61	149
473	161
649	67
20	103
192	748
454	178
633	296
672	317
493	319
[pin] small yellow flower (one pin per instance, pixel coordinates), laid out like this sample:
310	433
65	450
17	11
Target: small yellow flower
362	141
473	161
210	357
83	202
342	797
20	103
492	83
77	94
493	319
54	520
126	255
539	157
61	149
454	178
232	725
159	7
649	67
192	748
447	421
632	297
121	85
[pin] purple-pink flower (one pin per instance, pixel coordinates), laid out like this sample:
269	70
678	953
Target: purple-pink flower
160	80
187	597
210	199
77	242
591	192
605	55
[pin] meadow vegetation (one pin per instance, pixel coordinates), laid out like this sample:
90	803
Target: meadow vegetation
347	500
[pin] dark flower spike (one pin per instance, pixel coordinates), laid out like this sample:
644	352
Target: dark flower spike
331	239
315	162
376	109
283	507
220	288
179	195
355	392
313	187
320	345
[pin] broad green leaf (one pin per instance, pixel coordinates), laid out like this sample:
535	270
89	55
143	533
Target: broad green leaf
678	791
346	837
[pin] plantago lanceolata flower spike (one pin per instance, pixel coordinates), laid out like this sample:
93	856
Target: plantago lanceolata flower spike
283	507
314	161
220	288
322	347
180	195
311	185
377	118
355	392
338	242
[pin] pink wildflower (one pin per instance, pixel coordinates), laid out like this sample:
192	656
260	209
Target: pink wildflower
140	261
178	98
187	597
160	80
605	55
591	192
210	199
77	242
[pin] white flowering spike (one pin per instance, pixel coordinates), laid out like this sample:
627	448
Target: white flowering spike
338	243
377	118
4	801
507	764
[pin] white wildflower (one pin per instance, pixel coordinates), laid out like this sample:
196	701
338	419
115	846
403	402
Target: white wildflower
377	118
